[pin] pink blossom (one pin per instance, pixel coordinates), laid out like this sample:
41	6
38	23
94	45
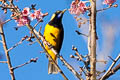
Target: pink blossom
77	8
25	15
22	21
38	14
73	8
32	16
26	11
109	2
82	7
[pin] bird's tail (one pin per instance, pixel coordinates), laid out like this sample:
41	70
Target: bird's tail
52	69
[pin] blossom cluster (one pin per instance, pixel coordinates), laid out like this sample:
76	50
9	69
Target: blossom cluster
25	16
78	7
109	2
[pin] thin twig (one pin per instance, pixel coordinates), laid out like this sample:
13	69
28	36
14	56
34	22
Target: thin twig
31	60
3	61
37	23
20	42
83	71
102	61
100	72
75	57
4	7
111	6
80	57
111	58
112	72
40	29
32	42
110	68
7	21
104	9
79	33
70	68
6	52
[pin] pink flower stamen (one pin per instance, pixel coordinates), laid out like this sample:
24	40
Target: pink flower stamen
26	11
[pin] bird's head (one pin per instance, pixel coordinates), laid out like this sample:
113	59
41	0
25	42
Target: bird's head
57	16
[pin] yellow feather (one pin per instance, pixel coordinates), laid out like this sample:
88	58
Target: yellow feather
52	35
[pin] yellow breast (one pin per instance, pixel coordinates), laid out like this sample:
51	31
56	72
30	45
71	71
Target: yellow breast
52	35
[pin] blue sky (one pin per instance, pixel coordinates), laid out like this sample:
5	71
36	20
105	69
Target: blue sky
107	21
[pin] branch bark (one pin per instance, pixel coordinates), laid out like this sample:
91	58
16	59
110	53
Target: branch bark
3	61
112	72
6	52
70	68
108	72
93	37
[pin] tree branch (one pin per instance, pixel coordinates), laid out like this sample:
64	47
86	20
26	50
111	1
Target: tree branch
110	68
6	52
93	37
107	8
31	60
3	61
70	68
112	72
20	42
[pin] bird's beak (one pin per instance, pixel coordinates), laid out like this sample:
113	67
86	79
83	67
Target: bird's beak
61	13
64	11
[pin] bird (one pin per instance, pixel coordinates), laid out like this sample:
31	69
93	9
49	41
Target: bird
54	34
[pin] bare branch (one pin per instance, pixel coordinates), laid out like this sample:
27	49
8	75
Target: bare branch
32	42
112	72
6	52
110	68
75	57
103	61
111	58
4	7
70	68
83	71
92	40
111	6
7	21
3	61
37	23
79	33
20	42
31	60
